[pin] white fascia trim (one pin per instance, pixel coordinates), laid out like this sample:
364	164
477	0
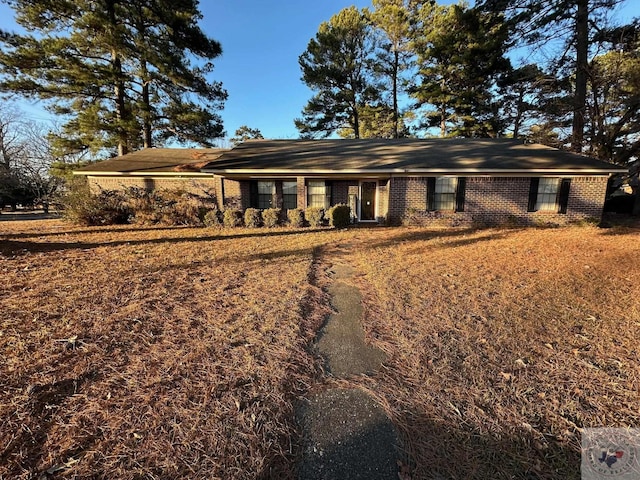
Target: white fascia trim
420	172
143	174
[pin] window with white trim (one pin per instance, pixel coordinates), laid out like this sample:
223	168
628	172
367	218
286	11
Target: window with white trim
547	198
289	195
445	193
318	194
266	194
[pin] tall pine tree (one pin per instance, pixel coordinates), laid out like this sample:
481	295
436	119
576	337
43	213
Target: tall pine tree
460	58
572	22
337	66
123	74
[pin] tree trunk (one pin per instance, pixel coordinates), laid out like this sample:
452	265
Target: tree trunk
518	119
118	87
146	108
396	63
118	91
580	97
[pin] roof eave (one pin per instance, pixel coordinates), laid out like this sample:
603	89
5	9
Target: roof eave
418	171
142	174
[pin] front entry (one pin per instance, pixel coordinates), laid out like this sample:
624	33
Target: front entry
368	201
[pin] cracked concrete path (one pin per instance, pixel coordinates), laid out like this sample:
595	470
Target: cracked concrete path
347	434
341	340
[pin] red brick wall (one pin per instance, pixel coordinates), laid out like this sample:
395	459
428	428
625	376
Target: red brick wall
302	192
233	193
499	200
200	185
487	199
406	193
383	198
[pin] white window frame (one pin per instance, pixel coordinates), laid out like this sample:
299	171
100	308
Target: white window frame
318	194
266	190
294	186
547	197
444	195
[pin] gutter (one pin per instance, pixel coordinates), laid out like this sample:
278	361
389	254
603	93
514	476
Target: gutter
421	171
142	174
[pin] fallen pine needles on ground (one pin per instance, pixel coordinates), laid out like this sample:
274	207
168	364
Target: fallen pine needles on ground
504	344
136	352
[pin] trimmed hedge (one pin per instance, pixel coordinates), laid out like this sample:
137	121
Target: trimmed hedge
213	218
315	216
232	217
252	218
295	216
271	217
339	216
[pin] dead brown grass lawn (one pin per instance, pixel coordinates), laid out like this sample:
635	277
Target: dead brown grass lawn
504	344
179	353
152	353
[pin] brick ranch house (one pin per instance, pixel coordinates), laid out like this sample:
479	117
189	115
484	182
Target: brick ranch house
482	180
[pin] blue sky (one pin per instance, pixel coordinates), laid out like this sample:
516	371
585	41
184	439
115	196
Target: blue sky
261	41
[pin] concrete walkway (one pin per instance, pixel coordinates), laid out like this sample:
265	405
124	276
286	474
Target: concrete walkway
347	434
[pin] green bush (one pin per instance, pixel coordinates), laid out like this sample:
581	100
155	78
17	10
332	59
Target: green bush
232	217
315	216
295	217
109	207
339	216
252	218
271	217
213	218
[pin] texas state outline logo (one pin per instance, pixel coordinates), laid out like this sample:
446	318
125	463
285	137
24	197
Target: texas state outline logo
610	453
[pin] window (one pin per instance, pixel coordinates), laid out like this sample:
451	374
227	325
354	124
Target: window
266	194
289	195
549	194
446	193
318	194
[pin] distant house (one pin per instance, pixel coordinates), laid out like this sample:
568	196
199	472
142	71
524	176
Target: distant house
486	180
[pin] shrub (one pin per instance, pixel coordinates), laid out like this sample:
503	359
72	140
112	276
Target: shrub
109	207
212	218
315	216
252	218
232	217
271	217
295	217
147	206
184	209
168	207
339	216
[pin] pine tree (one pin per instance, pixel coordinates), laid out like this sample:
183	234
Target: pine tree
460	58
573	22
337	66
244	133
122	74
392	20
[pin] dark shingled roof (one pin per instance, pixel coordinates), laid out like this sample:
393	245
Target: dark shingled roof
401	156
156	160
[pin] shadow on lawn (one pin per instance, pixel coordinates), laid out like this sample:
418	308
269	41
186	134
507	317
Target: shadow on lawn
458	237
110	229
455	237
13	247
38	414
457	451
